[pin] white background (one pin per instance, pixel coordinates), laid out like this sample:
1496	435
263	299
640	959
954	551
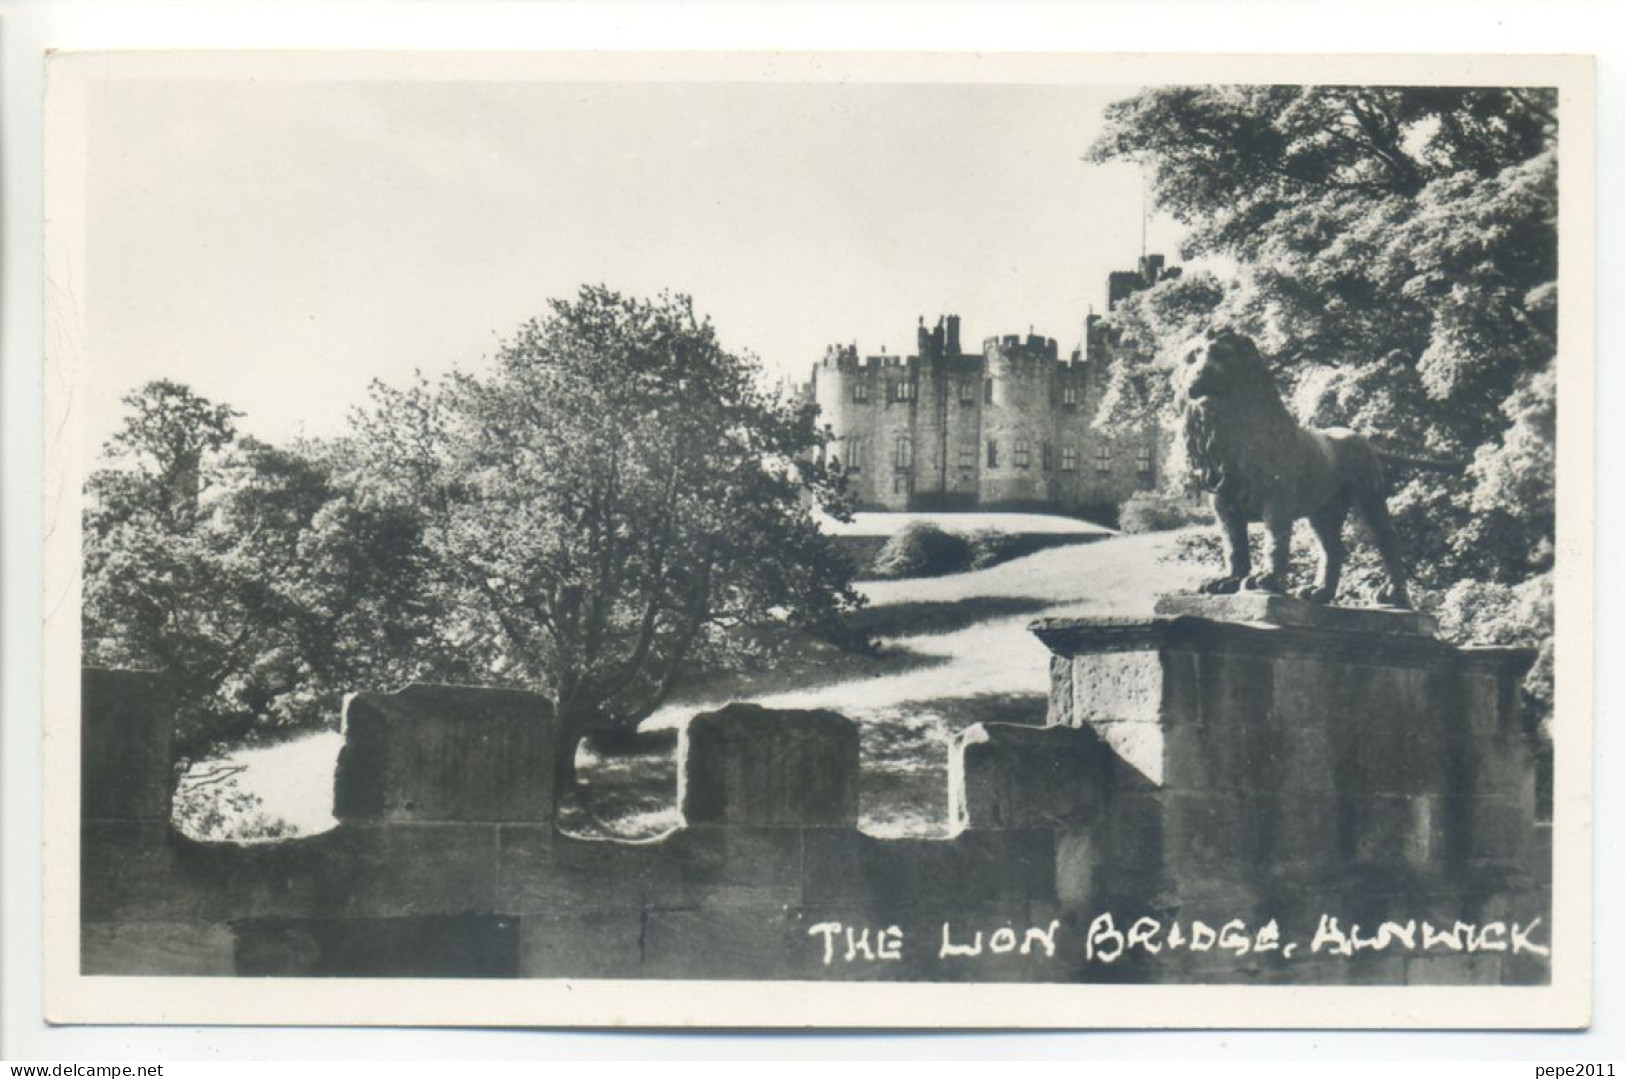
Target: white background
27	30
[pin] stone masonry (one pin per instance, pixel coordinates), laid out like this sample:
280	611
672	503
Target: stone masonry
1248	793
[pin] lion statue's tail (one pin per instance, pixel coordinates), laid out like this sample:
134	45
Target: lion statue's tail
1394	461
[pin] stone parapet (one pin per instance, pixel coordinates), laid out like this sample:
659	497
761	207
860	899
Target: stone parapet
1198	773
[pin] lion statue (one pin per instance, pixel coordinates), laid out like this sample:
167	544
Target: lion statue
1259	464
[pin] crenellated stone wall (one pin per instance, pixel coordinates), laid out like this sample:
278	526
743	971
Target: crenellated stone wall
1215	785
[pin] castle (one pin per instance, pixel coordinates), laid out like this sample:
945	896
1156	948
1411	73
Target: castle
1010	427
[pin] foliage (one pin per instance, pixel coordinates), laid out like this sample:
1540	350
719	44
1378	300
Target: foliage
1395	251
922	549
256	587
990	546
1152	511
1483	612
617	503
210	804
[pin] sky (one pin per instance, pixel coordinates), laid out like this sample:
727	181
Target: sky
277	245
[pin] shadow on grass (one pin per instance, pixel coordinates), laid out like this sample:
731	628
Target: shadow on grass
805	664
929	617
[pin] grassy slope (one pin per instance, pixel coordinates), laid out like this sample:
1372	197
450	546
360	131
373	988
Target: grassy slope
954	651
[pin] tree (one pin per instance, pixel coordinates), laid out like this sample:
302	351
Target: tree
1395	251
255	586
617	502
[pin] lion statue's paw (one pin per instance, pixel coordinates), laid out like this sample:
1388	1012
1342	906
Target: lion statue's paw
1393	595
1263	582
1220	586
1316	595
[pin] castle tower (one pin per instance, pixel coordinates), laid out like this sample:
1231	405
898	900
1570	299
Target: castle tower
842	389
945	419
1016	421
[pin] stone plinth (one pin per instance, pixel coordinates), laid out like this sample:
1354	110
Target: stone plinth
749	765
1300	742
126	754
447	753
1004	775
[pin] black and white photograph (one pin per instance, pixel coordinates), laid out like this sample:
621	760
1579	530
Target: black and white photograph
813	539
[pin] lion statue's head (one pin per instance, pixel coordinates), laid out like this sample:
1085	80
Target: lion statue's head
1223	363
1234	419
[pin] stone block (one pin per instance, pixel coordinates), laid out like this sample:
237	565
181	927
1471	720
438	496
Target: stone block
894	875
1005	776
1213	835
1366	761
1502	766
126	746
1060	693
735	868
1115	686
1483	968
1306	693
1500	830
1203	757
1133	829
540	870
748	765
1078	854
605	943
1490	701
447	753
1140	746
286	878
716	944
456	946
157	949
411	869
1293	760
1301	832
1235	690
1395	829
127	870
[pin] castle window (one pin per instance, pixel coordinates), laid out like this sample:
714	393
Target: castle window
1069	394
854	454
992	453
967	457
903	390
860	392
903	452
1103	459
987	392
967	392
1049	457
1142	460
1069	458
1024	453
